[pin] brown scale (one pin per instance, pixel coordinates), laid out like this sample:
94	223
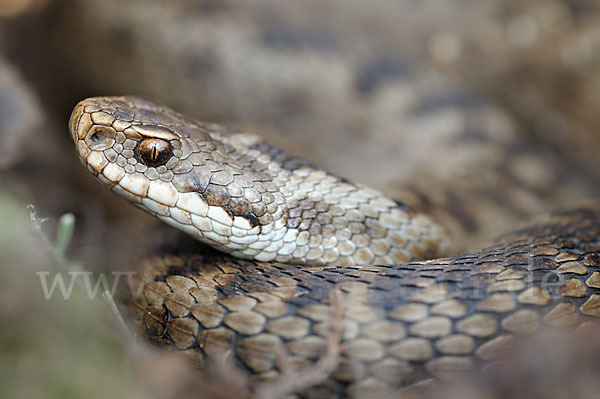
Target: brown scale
402	323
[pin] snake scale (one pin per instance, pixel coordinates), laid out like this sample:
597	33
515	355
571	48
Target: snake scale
295	235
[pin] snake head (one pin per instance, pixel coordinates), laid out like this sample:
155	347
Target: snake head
130	132
131	141
182	171
143	150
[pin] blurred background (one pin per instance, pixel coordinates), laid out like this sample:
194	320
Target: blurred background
484	113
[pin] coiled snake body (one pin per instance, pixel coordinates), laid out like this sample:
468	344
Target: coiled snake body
286	223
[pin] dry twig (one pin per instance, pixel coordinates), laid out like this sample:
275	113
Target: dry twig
292	380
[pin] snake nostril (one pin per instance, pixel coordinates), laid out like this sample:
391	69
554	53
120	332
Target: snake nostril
97	137
100	138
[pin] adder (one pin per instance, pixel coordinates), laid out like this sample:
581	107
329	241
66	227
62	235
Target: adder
290	235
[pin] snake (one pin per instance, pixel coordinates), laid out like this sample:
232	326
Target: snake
296	255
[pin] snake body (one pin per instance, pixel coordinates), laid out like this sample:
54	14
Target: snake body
286	223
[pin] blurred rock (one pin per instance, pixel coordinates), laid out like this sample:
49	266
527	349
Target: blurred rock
13	8
20	116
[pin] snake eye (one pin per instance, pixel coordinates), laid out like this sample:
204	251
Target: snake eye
153	152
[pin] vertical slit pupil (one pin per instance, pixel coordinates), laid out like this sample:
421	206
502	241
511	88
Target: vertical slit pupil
153	152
